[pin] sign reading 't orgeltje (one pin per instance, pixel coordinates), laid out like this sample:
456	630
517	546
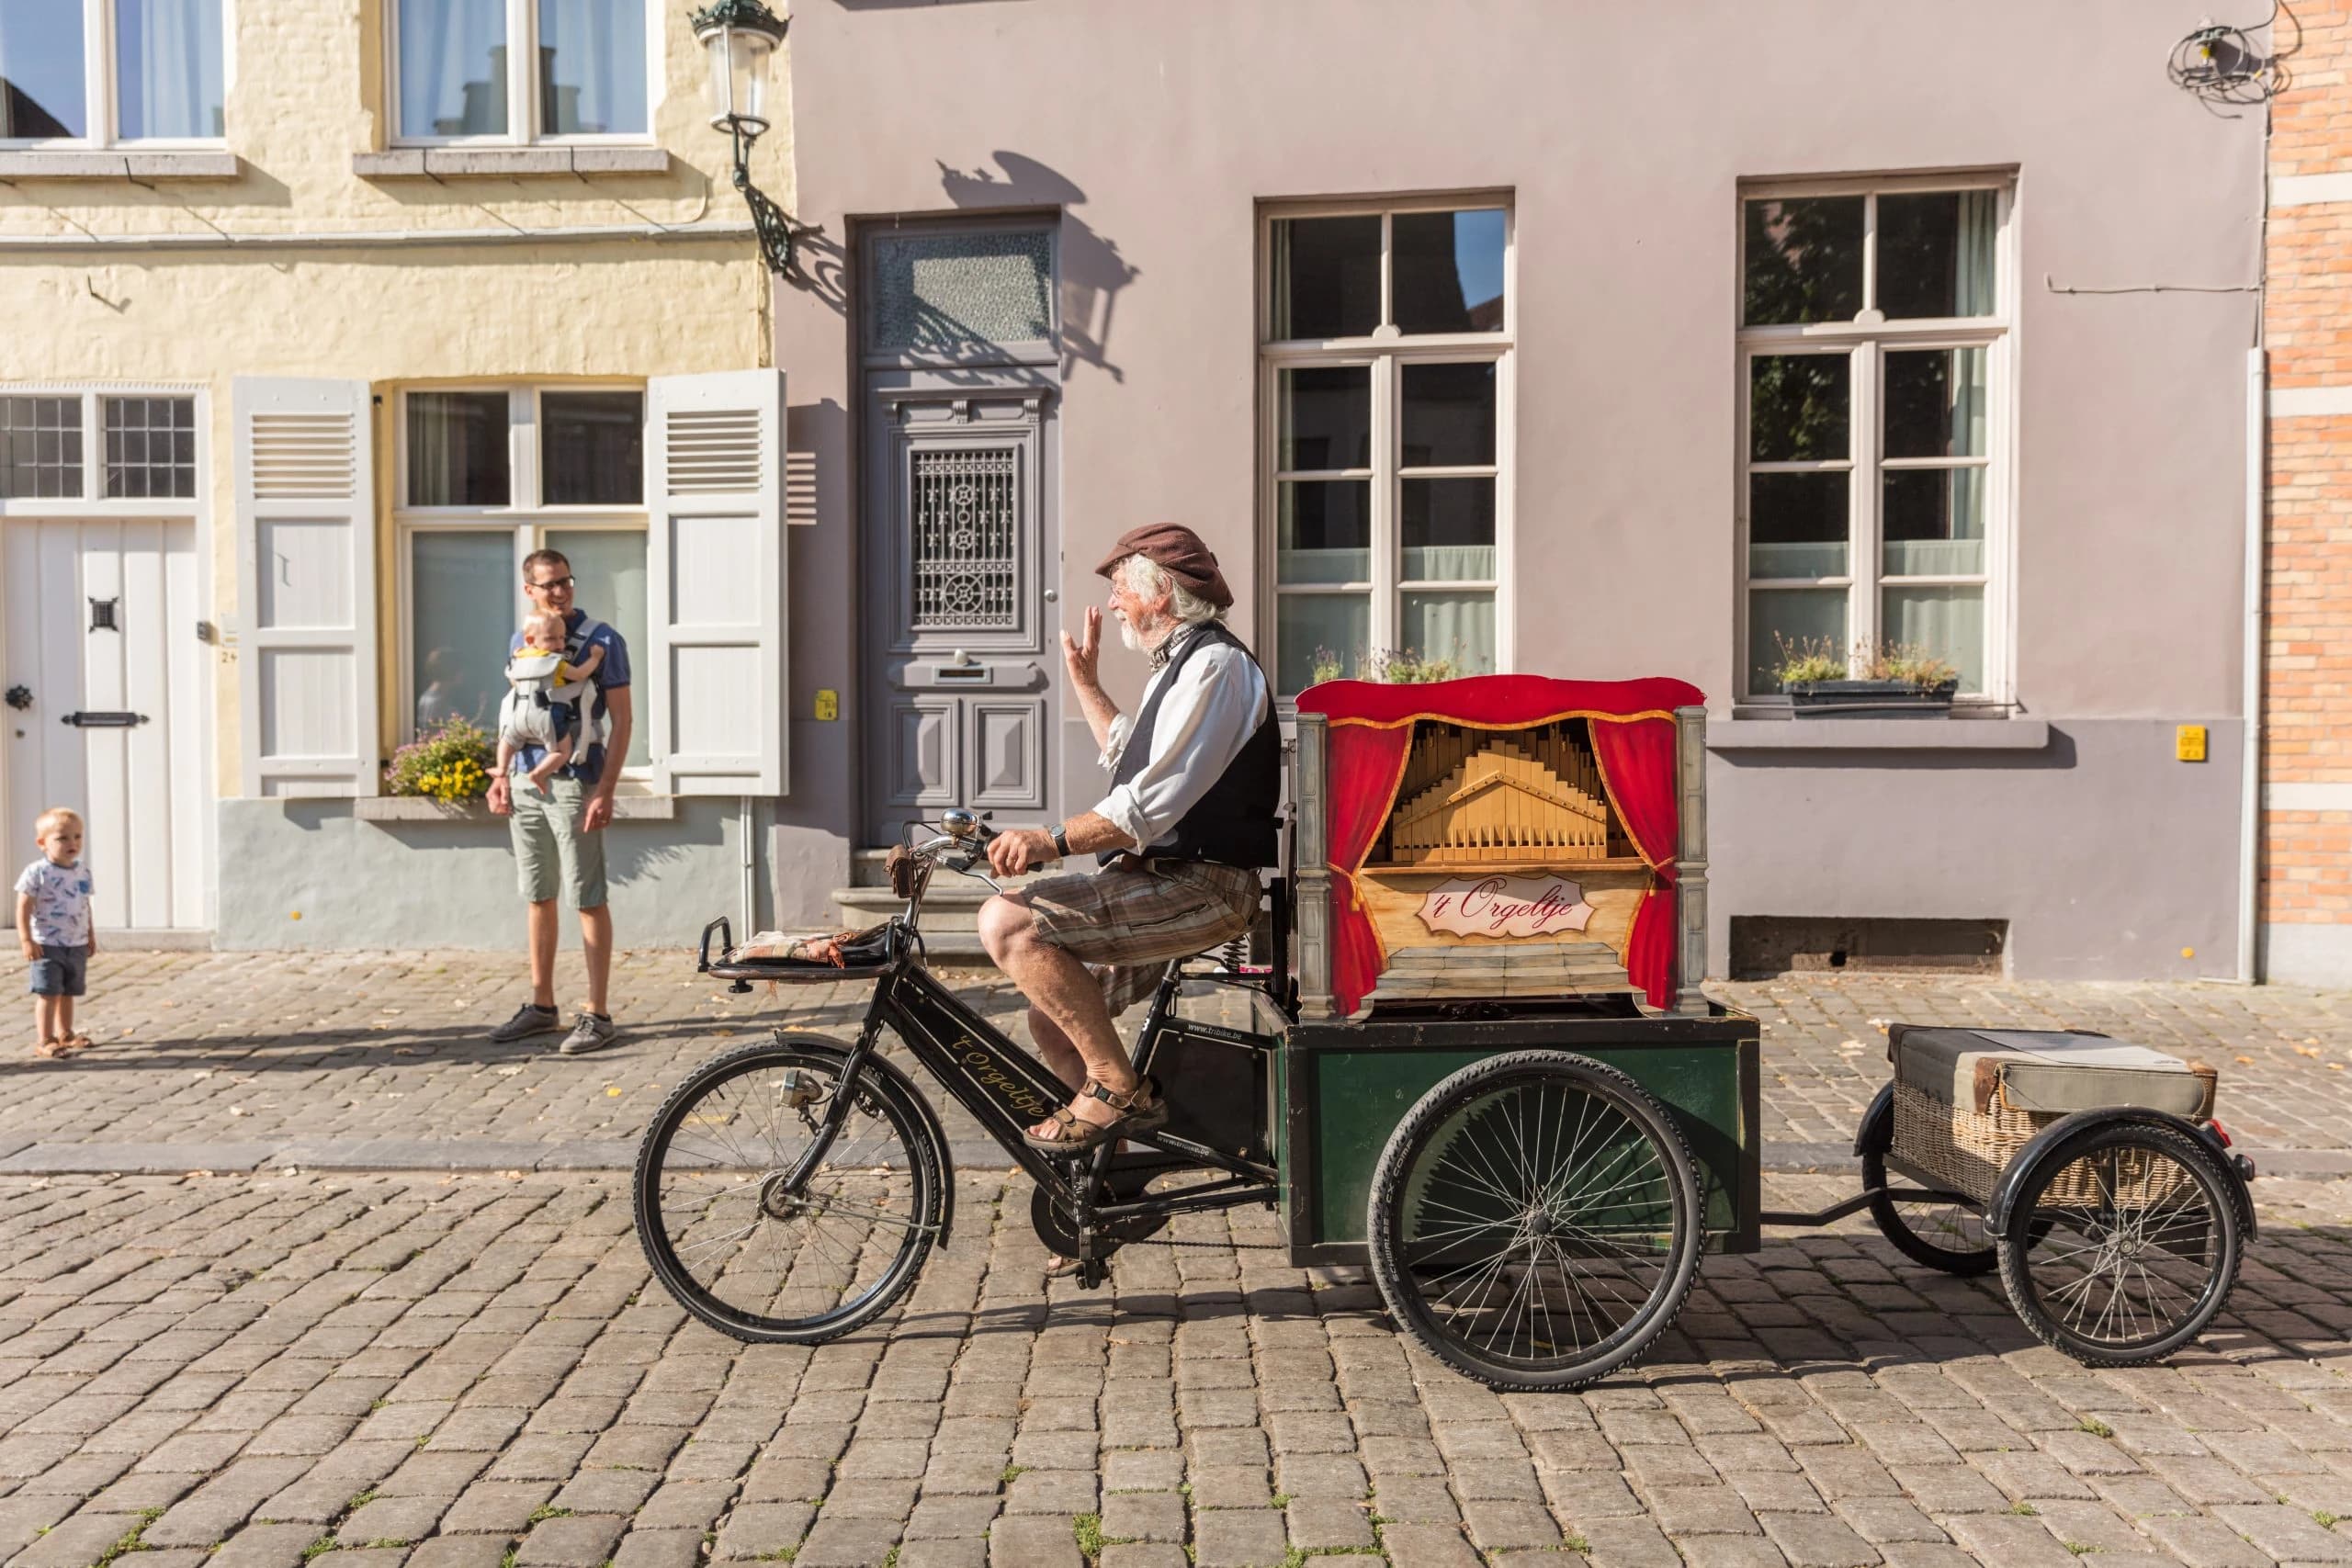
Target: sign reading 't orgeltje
1506	907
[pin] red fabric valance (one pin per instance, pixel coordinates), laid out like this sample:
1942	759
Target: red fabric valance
1372	729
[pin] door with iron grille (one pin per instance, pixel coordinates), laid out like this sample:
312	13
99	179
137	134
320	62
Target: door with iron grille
960	561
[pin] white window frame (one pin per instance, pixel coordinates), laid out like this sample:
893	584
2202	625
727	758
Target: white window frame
94	502
1386	351
522	519
101	106
522	87
1867	340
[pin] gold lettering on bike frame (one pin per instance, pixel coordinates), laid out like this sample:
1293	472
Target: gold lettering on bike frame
1011	1090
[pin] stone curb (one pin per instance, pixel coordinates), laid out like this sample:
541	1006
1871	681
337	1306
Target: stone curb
22	1157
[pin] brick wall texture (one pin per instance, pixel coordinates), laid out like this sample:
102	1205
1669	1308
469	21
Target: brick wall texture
2307	699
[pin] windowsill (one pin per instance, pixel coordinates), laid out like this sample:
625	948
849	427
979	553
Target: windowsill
506	163
1954	734
117	163
419	808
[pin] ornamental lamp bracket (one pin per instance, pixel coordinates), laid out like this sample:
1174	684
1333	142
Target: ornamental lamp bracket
740	38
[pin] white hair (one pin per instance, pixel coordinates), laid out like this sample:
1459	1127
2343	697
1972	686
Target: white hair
1146	579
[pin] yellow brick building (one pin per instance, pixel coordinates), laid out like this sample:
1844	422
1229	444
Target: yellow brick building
319	317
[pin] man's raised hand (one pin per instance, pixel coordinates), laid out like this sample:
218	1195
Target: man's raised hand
1084	655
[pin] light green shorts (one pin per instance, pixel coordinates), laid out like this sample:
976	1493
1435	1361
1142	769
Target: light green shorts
549	847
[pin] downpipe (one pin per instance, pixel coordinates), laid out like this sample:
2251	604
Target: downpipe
2257	397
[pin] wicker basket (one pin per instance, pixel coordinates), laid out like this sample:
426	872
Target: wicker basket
1967	1152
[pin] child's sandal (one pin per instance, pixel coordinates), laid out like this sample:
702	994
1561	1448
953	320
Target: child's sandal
76	1041
1073	1134
53	1049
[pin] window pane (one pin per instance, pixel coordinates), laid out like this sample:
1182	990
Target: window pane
608	567
1449	415
1804	260
1319	636
1326	274
1935	254
457	449
1323	531
1946	622
167	67
591	448
453	67
1449	271
1798	619
40	69
1797	407
1934	522
1458	629
41	447
464	598
955	293
1797	524
1449	530
1934	404
150	447
1326	418
591	67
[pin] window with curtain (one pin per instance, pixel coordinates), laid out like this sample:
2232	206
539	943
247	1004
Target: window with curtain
167	82
1872	348
1385	358
488	475
460	70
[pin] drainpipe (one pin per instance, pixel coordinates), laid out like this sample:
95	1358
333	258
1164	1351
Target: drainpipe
2258	383
751	882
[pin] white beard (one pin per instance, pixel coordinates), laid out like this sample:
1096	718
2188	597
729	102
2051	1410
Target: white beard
1140	641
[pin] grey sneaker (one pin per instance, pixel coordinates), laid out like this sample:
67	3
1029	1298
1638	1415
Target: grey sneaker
530	1019
591	1033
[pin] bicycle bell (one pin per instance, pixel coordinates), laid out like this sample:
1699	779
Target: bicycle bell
958	823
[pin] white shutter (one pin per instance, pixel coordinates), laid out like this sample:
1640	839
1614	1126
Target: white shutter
306	586
715	695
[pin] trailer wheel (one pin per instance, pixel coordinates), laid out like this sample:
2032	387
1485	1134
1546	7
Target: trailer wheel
1534	1221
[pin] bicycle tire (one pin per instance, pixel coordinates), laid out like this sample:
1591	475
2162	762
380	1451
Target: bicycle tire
1918	1241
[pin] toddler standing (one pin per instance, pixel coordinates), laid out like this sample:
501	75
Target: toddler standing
53	923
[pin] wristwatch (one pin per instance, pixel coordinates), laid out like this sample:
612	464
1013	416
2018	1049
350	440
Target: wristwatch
1061	842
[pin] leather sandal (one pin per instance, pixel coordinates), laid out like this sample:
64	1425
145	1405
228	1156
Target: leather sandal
1074	1135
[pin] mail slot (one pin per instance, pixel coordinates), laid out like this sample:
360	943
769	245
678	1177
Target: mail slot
104	720
964	674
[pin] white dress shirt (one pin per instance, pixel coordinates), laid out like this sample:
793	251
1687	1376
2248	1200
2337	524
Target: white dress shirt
1219	700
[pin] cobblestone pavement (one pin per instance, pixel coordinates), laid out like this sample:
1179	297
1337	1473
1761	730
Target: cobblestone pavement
357	1059
467	1371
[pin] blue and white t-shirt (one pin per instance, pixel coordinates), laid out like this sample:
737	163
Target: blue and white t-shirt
588	756
60	896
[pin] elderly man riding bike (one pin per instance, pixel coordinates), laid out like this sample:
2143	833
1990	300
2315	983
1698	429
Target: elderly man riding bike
1195	784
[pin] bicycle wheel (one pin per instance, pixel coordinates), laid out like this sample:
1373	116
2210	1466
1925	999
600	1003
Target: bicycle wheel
1937	1233
1534	1221
2141	1244
752	1253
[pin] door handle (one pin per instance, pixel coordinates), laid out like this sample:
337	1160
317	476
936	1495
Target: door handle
103	720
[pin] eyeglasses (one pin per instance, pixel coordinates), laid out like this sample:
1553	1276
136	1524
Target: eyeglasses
551	584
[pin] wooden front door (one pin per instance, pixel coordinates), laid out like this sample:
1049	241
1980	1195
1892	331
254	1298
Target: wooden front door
106	709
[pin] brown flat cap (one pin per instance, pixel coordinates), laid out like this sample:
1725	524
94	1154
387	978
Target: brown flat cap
1180	553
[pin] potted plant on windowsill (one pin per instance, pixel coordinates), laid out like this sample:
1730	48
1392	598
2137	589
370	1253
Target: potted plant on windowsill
1393	667
449	765
1891	681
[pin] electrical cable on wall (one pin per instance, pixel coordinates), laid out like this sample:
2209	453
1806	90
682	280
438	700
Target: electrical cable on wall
2220	64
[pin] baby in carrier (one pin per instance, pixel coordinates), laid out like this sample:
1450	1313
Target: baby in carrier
542	703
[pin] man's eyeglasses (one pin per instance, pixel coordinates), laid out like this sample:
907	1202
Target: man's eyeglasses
551	584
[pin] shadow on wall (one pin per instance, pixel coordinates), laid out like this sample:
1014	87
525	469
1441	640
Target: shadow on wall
2059	753
1092	270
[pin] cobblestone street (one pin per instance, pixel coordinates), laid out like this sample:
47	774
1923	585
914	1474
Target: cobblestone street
336	1342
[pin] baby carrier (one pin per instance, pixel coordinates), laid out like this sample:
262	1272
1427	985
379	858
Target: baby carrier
540	709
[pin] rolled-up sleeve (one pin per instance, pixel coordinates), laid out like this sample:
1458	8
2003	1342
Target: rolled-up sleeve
1121	727
1217	701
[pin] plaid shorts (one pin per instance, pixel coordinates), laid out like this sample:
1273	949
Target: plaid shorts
1128	920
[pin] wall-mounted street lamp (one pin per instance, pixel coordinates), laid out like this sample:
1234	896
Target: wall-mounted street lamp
741	36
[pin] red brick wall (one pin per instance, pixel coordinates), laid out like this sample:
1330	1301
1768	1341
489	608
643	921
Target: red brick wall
2307	675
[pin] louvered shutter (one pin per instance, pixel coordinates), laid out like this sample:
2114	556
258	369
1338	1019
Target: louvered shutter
717	693
306	586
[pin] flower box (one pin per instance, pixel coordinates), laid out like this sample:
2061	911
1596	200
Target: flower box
1869	699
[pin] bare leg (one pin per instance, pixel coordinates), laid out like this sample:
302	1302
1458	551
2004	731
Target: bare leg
1058	987
65	1018
1055	1047
44	1019
596	946
539	920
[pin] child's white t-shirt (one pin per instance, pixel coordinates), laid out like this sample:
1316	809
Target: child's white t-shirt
60	896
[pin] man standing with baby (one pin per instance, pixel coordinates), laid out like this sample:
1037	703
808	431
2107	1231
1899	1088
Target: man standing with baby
556	815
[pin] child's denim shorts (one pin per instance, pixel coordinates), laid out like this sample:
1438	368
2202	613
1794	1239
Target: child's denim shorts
61	971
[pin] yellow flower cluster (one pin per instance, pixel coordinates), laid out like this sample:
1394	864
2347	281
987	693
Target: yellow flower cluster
461	778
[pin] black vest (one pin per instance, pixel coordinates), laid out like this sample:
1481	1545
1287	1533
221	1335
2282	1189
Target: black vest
1234	823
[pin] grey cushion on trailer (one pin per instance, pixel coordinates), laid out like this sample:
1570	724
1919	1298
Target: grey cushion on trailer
2044	1070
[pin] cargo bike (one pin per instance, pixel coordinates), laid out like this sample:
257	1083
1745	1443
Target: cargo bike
1471	1066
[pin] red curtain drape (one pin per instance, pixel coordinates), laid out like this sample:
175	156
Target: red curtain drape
1371	729
1637	763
